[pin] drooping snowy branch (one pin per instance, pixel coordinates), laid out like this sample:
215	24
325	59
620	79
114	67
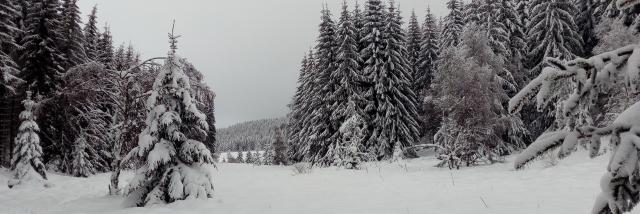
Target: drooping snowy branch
618	68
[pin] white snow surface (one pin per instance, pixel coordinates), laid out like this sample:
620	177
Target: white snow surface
411	186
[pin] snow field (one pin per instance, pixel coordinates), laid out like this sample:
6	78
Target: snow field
414	186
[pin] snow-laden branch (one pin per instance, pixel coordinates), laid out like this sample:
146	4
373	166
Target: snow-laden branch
587	72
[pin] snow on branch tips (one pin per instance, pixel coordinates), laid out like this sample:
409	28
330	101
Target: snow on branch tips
620	185
171	144
624	4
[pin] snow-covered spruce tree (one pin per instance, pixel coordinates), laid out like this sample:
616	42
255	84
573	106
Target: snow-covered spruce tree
373	58
319	129
358	24
586	22
72	37
202	93
104	51
175	163
267	157
516	46
119	60
620	183
42	60
428	54
429	117
552	32
299	108
250	158
453	24
81	165
91	35
8	31
414	38
26	162
489	18
279	147
394	120
347	76
351	152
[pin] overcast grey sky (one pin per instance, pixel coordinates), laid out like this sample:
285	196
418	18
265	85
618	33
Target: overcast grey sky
248	50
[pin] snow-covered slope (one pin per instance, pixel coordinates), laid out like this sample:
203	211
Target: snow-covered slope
413	187
249	135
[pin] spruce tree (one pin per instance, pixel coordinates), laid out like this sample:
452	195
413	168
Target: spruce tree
491	19
351	152
358	24
347	76
373	60
300	109
43	62
279	148
91	35
586	25
429	117
119	59
516	46
452	24
414	38
73	39
552	32
26	164
395	114
105	49
171	144
320	129
81	166
428	54
8	31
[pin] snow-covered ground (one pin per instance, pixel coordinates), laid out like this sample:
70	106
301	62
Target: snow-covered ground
414	187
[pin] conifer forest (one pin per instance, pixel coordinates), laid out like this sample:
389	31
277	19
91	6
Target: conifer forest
319	106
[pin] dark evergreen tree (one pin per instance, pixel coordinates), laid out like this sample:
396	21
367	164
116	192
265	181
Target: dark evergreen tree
428	53
429	118
347	76
119	59
299	109
319	127
105	49
395	115
373	59
91	35
586	25
452	24
358	24
73	39
490	18
279	148
414	38
516	46
43	62
8	32
552	32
